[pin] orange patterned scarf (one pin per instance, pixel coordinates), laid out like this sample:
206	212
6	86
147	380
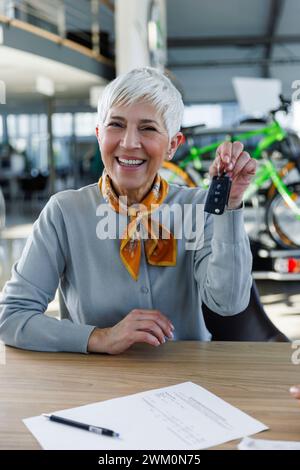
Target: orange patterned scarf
160	244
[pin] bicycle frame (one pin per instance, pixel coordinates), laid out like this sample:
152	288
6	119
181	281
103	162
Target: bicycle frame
265	172
268	171
272	133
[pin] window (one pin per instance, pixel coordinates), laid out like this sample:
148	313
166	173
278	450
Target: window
62	124
23	125
1	129
85	124
12	125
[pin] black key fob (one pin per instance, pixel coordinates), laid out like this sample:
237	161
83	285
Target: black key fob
218	194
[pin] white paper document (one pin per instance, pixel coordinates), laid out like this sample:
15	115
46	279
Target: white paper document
180	417
261	444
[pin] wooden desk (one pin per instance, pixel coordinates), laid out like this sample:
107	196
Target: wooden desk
254	377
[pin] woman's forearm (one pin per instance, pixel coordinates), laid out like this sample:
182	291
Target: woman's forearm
223	266
27	329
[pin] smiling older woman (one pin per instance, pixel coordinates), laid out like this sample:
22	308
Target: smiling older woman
131	288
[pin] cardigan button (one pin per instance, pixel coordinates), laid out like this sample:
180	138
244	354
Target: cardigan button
144	290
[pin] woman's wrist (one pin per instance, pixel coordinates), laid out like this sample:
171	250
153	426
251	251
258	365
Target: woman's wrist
97	340
232	205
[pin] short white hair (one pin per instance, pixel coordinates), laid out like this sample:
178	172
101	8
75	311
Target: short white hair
149	85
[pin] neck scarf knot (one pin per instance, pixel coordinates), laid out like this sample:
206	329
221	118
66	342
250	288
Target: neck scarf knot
160	245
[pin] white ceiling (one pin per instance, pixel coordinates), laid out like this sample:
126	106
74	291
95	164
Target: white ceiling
203	82
208	82
19	70
204	18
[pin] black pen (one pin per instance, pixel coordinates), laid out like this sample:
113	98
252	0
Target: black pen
86	427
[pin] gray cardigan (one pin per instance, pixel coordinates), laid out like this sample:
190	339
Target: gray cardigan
64	250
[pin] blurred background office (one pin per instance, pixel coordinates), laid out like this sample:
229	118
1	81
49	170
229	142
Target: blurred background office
229	59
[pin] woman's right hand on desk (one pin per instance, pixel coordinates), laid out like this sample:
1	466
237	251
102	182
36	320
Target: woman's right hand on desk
139	326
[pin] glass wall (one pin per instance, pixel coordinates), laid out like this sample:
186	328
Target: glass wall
28	136
75	146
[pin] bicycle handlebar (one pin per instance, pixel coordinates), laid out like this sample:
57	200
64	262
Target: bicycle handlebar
284	105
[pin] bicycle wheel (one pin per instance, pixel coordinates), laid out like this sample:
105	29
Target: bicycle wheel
174	174
289	174
282	224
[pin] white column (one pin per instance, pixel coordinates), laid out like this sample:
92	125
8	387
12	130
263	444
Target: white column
132	18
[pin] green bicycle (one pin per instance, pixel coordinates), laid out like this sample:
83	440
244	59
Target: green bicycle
281	196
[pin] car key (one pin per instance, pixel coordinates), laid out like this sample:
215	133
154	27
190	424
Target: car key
218	194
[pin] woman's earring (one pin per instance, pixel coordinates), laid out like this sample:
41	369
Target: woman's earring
169	156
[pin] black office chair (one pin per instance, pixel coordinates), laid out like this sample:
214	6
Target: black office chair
63	310
250	325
